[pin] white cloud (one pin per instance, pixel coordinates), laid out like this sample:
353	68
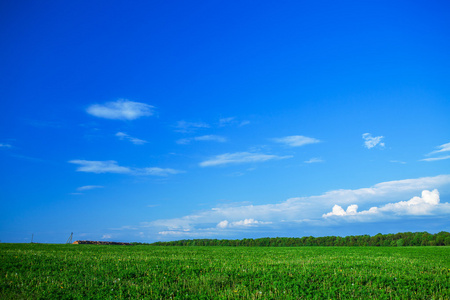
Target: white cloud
314	160
370	141
107	166
3	145
436	158
214	138
296	140
120	110
427	204
155	171
89	187
106	236
339	211
241	223
383	196
227	121
222	224
239	157
441	149
232	121
397	162
183	126
111	166
136	141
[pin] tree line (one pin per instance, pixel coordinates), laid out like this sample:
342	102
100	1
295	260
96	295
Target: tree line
384	240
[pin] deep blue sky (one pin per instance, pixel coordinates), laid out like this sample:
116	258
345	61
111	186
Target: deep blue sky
162	120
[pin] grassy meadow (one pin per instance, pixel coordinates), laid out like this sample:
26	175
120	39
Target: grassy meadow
40	271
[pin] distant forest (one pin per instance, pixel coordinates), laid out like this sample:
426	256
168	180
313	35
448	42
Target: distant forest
384	240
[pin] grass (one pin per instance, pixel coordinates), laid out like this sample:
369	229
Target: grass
38	271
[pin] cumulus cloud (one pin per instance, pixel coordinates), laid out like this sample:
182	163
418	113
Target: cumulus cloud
339	211
440	149
111	166
120	110
223	224
313	209
427	204
124	136
239	157
371	141
296	140
89	187
214	138
184	127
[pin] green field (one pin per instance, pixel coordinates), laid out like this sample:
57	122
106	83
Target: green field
39	271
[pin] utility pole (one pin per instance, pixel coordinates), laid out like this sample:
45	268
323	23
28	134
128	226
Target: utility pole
69	240
32	237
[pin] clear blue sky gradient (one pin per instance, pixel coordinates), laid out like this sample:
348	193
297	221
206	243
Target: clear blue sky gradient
220	91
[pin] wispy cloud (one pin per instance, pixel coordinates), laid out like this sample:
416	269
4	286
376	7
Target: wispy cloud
371	141
155	171
397	162
111	166
89	187
214	138
120	110
311	210
296	140
314	160
107	166
184	127
227	121
440	149
4	145
239	157
242	223
124	136
232	121
436	158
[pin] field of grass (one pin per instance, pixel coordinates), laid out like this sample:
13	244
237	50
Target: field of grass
39	271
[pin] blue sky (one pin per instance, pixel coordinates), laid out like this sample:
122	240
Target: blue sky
166	120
